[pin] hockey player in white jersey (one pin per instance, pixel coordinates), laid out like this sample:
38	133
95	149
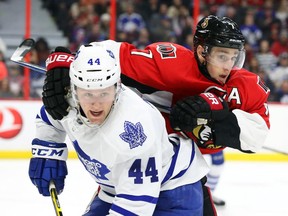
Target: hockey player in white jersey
121	141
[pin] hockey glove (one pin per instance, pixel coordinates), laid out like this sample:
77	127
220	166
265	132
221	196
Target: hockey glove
203	136
57	83
48	163
197	110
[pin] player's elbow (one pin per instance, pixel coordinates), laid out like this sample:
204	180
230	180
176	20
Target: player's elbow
254	141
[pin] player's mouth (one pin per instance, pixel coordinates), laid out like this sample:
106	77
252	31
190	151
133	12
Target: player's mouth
222	79
95	114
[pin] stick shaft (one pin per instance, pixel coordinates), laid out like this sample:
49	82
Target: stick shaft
275	150
55	200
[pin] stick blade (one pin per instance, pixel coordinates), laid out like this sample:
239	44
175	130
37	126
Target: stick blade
22	50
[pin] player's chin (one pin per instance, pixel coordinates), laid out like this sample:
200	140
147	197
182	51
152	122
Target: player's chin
96	120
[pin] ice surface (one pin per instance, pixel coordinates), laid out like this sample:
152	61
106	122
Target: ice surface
249	189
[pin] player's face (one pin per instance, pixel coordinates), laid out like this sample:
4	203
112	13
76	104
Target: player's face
96	104
220	62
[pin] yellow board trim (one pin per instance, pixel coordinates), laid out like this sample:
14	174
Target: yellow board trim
26	155
269	157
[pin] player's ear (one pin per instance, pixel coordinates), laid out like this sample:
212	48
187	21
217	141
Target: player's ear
200	53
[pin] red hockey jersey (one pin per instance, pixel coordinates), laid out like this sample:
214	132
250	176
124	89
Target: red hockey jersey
165	72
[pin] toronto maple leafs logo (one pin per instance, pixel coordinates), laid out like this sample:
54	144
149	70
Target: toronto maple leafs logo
93	166
134	134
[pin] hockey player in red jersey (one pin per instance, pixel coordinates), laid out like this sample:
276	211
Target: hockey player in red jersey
185	86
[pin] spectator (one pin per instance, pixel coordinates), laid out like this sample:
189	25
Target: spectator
282	93
266	19
281	45
282	13
130	22
281	71
189	42
12	85
105	24
161	25
253	65
143	39
251	31
3	67
39	57
3	47
267	60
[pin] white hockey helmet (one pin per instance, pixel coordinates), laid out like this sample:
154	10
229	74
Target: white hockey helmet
94	67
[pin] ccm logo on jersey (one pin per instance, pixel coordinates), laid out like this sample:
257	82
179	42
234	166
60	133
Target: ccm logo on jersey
214	101
59	60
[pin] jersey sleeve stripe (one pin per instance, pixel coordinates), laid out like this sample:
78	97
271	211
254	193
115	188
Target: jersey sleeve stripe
172	166
143	198
44	116
191	159
121	210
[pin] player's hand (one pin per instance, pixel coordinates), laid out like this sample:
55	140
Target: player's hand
196	110
57	83
48	163
42	170
203	136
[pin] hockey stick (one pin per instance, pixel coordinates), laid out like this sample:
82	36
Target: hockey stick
18	56
275	150
55	200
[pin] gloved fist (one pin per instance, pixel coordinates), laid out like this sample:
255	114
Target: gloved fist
57	83
42	171
203	136
48	163
197	110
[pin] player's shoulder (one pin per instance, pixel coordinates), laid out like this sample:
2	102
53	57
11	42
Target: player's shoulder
247	81
168	47
136	108
243	76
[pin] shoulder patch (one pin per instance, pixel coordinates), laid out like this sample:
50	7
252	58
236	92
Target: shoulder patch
166	50
133	134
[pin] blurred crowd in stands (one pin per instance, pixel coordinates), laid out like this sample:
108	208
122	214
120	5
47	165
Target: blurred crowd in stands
264	23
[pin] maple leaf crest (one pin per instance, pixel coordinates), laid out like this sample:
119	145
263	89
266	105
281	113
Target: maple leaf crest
134	134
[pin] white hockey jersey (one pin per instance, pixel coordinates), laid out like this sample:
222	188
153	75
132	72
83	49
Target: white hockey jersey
129	155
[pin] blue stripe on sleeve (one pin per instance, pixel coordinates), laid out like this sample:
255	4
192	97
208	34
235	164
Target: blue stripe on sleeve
44	116
143	198
172	165
122	211
48	144
191	159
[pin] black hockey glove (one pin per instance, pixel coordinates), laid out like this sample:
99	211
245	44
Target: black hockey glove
57	83
197	110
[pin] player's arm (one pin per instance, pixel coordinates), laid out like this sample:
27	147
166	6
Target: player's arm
155	66
49	154
238	129
253	116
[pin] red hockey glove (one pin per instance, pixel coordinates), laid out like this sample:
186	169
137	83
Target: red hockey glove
57	83
197	110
